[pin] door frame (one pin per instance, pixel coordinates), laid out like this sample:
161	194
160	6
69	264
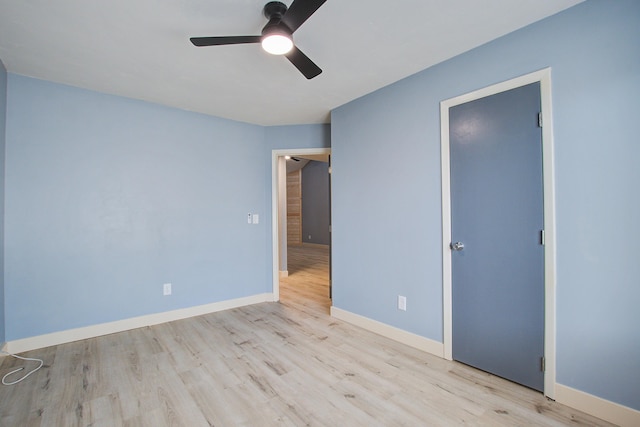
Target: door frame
544	77
276	157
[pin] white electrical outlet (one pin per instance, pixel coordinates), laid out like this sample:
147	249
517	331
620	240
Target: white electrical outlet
166	289
402	303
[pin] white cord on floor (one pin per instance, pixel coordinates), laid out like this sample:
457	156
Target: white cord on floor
20	369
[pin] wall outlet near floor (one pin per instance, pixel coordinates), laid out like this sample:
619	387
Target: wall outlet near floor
166	289
402	303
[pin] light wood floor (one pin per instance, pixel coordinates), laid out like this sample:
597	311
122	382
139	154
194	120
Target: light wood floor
271	364
307	287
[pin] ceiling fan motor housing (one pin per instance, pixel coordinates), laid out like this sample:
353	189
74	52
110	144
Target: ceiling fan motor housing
274	9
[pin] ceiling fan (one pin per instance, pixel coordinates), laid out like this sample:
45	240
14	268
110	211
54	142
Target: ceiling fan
277	35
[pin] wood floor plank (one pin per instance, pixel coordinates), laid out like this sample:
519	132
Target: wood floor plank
270	364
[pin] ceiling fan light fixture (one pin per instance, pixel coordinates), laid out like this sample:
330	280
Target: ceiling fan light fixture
277	43
277	35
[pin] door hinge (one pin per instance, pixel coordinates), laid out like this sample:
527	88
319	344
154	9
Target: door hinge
543	367
540	119
542	237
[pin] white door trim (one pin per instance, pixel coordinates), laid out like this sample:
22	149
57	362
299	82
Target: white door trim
275	228
544	77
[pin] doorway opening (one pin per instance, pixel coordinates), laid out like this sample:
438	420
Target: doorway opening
301	256
542	77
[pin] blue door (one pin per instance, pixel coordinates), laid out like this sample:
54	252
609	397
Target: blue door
496	226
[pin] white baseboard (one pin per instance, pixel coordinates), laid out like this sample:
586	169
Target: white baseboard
284	273
70	335
408	338
598	407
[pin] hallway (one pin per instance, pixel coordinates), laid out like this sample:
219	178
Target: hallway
307	287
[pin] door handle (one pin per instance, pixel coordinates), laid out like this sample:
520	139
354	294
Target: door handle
457	246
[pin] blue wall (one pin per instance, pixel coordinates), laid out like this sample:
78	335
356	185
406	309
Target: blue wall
387	209
3	111
297	136
315	203
108	198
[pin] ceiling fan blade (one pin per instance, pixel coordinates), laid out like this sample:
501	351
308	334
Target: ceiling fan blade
219	41
300	11
303	63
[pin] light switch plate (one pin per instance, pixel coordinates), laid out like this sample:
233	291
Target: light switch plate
402	303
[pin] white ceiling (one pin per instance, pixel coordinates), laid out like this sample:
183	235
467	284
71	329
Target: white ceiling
140	49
